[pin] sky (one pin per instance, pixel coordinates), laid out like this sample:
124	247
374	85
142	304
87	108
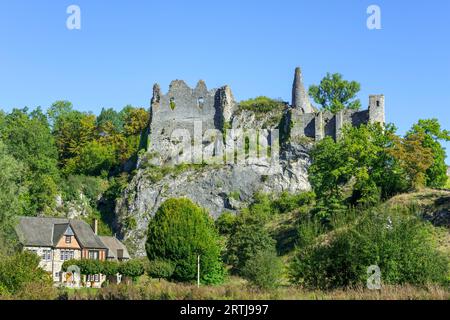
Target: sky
124	47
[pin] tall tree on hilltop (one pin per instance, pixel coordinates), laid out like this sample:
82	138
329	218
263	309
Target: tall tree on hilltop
335	94
436	174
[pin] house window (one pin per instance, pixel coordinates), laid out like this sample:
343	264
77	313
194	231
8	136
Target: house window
46	255
68	239
93	254
378	103
67	255
96	278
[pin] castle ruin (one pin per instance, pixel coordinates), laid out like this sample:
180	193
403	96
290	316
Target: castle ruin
198	110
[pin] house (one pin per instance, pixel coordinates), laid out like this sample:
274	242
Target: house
448	171
56	240
116	249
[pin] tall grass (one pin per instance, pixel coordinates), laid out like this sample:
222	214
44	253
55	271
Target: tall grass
163	290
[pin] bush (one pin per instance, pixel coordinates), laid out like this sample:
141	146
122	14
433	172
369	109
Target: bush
20	270
179	232
288	202
247	238
262	104
225	222
402	247
160	269
264	269
133	268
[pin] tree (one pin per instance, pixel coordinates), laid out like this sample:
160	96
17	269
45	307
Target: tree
135	120
13	195
93	159
436	174
358	169
72	130
335	94
30	141
264	269
110	118
179	232
414	157
248	237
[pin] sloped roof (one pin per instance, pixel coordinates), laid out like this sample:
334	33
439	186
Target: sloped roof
113	245
45	232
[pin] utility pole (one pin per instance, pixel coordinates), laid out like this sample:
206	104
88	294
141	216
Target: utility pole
198	271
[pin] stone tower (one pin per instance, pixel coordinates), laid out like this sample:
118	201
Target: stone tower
376	108
300	99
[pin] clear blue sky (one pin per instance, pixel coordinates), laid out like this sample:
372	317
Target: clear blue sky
123	47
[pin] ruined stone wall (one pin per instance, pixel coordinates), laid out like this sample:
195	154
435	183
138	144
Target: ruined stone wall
185	109
322	124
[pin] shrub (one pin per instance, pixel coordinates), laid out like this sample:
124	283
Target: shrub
133	268
160	269
225	222
248	237
402	247
110	268
261	104
20	270
264	269
288	202
179	232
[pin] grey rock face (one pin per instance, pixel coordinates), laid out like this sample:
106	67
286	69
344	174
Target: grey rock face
218	189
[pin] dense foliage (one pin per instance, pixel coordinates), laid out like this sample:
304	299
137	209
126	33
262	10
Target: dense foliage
262	104
402	247
430	130
20	270
131	268
368	164
160	269
248	237
264	269
335	94
179	232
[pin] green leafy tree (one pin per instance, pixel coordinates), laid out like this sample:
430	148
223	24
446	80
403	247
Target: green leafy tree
414	158
436	174
179	232
247	238
335	94
109	120
264	269
358	169
13	197
30	141
93	159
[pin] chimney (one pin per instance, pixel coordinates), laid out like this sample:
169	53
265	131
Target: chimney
95	226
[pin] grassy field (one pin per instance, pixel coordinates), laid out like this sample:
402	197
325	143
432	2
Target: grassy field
237	289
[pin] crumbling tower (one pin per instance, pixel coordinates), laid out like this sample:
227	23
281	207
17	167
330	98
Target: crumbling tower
300	99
